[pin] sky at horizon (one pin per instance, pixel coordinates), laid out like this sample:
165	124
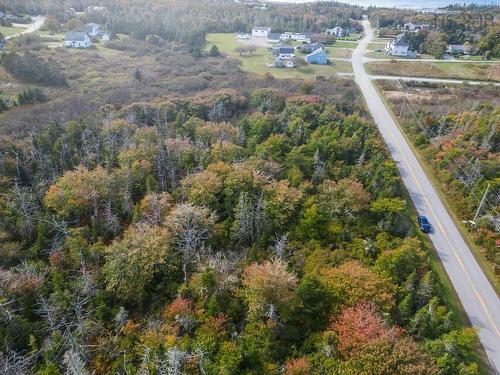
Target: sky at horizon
402	3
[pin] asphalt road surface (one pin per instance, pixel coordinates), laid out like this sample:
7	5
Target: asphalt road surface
31	28
478	297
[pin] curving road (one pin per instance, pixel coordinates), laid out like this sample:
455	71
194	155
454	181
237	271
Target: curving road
478	297
30	28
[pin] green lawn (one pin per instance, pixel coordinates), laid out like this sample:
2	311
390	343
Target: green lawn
382	55
339	52
348	44
256	63
375	45
8	31
352	37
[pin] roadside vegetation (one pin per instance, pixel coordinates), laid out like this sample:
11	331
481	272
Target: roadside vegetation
457	70
455	129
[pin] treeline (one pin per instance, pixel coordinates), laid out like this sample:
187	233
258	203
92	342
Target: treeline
459	25
225	233
188	21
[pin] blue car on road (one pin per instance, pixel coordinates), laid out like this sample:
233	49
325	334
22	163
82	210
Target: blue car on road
424	224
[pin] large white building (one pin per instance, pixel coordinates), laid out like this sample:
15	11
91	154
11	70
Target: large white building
337	31
261	31
76	39
398	47
299	37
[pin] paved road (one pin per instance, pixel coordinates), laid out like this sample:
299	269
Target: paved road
478	297
433	80
31	28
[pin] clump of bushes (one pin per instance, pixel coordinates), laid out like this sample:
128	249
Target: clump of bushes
33	69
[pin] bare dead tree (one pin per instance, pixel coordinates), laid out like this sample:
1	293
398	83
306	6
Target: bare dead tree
24	204
50	313
249	218
127	202
111	221
74	364
225	269
191	226
173	362
7	311
280	245
319	168
121	318
13	363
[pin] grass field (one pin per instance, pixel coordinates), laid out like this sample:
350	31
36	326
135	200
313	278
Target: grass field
339	52
256	63
353	37
472	71
382	55
8	31
348	44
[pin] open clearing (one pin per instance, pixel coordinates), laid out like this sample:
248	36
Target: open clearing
471	71
8	31
256	63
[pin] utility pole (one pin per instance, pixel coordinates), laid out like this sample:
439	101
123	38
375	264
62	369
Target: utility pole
491	70
403	105
480	205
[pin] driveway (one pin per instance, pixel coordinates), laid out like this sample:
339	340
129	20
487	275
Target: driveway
30	28
476	294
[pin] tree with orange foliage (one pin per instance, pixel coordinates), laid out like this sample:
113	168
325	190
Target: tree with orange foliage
298	366
269	284
353	282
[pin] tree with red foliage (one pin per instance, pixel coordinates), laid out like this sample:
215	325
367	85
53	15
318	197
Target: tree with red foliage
361	325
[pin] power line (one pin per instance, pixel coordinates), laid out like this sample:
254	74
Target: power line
476	178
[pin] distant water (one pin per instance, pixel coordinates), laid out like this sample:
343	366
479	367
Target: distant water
416	4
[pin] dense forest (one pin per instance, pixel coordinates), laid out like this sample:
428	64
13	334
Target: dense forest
164	213
251	232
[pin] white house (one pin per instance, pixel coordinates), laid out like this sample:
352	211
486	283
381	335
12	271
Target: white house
410	26
92	29
283	52
261	31
95	8
460	49
337	31
299	37
284	63
106	37
76	39
398	47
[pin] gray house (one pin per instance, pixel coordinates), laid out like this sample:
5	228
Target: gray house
76	39
274	37
283	51
311	47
